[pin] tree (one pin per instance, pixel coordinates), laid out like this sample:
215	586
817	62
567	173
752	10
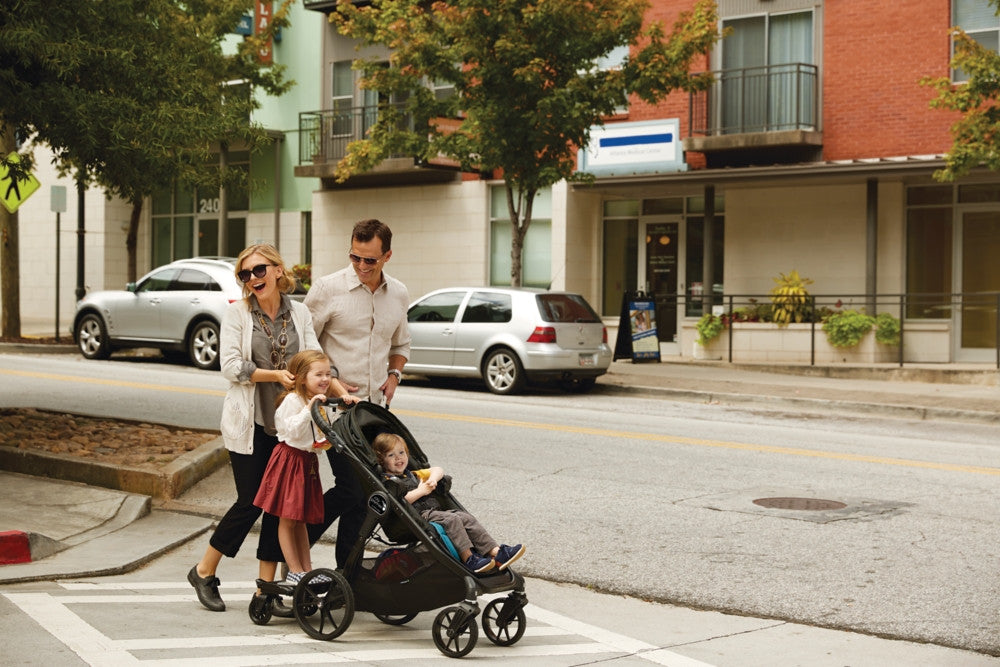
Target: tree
975	135
528	88
131	94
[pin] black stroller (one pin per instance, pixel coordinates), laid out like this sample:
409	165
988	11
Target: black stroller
418	571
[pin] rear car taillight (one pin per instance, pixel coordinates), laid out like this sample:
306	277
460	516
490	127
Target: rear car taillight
604	335
543	335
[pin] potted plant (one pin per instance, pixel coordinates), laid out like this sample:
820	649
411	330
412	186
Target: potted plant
709	327
847	328
790	299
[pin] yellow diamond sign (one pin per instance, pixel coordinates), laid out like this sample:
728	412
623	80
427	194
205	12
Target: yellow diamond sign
13	192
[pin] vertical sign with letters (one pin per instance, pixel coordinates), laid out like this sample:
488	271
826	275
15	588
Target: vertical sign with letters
262	15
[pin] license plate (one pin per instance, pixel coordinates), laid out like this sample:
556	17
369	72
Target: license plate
587	360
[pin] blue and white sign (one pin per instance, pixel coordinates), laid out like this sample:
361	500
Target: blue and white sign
620	149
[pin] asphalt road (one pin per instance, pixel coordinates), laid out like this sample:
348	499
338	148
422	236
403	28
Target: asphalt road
655	499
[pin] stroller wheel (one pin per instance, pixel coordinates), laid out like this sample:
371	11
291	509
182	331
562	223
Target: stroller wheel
455	632
504	621
395	619
260	609
323	604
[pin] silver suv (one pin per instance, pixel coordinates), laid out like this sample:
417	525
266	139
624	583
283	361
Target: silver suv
176	308
508	337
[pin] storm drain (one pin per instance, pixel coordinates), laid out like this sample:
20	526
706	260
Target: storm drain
811	504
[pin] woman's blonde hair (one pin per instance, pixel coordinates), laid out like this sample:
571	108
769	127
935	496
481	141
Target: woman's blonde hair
298	366
286	283
385	442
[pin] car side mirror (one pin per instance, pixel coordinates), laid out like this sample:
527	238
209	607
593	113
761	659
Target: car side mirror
130	287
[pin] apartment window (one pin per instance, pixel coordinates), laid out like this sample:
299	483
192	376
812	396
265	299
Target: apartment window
763	86
615	59
536	251
979	20
343	98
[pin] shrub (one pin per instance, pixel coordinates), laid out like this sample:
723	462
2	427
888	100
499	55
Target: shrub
709	327
303	276
847	328
887	329
790	300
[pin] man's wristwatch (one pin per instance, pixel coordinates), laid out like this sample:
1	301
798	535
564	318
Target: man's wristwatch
398	373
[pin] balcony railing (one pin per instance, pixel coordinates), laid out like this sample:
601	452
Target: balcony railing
769	98
325	135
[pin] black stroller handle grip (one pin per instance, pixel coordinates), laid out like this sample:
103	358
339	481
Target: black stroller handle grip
320	418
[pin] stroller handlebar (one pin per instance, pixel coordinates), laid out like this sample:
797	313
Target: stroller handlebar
319	417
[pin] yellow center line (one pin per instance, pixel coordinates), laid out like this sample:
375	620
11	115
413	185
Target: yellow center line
114	383
677	439
582	430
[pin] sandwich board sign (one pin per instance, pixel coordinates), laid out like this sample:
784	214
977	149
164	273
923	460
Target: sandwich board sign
637	336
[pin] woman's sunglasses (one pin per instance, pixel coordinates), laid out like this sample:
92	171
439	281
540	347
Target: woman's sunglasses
258	271
357	259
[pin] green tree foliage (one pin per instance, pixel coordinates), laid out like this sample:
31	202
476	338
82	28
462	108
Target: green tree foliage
976	134
130	94
528	89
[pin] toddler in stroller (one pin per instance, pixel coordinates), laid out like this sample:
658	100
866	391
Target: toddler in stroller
463	529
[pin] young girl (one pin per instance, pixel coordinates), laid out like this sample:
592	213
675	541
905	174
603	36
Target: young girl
462	528
291	488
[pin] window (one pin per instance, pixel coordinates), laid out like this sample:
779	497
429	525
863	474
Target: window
929	252
441	307
488	307
979	20
536	251
621	253
185	220
566	308
614	60
343	98
763	87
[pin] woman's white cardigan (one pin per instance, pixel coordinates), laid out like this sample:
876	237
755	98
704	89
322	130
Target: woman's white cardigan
235	343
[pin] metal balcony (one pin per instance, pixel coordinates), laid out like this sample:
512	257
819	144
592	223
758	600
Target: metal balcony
753	108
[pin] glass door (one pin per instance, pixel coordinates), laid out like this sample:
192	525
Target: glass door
658	270
979	282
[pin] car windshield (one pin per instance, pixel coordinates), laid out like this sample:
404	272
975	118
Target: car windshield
566	308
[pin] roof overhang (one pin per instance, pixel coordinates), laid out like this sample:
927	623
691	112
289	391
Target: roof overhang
786	174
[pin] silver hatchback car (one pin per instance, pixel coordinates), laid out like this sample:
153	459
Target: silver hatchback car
177	308
508	337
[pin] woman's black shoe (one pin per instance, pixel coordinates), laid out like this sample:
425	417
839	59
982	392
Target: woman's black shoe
207	589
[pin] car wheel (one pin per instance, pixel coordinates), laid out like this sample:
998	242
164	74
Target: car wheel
92	337
203	345
502	372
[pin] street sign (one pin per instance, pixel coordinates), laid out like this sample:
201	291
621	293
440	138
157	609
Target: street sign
13	191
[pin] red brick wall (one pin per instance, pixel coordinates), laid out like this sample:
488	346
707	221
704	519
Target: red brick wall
874	54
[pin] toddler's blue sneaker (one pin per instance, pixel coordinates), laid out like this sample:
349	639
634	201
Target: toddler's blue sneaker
479	564
507	555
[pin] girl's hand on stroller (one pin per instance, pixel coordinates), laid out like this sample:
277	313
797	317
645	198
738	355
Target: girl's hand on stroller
317	397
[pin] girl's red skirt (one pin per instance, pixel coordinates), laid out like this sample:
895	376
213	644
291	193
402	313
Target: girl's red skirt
291	488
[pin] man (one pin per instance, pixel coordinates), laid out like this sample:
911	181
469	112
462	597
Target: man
359	314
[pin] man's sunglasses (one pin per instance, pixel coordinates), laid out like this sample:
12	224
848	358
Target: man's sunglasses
370	261
258	271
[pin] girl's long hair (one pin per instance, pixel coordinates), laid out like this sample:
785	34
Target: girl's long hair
298	366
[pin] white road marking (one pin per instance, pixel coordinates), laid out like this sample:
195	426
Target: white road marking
53	612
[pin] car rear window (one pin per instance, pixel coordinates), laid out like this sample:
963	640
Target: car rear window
566	308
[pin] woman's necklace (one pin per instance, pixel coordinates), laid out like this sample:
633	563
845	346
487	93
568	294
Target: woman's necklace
277	347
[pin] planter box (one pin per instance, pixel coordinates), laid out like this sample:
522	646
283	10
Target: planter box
757	342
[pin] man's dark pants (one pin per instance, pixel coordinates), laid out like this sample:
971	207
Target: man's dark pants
345	500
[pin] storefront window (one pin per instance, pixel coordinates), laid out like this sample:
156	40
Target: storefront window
536	252
928	262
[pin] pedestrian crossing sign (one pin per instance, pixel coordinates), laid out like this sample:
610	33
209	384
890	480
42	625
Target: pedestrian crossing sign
13	191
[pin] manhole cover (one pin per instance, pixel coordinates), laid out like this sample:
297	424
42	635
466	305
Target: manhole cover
799	504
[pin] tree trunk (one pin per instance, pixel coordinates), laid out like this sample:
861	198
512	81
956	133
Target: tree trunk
10	279
520	219
130	239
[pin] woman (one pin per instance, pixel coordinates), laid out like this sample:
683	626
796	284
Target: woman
259	334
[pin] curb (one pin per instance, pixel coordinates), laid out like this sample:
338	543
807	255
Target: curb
819	406
173	480
15	547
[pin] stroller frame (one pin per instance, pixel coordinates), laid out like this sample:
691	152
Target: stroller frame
439	580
